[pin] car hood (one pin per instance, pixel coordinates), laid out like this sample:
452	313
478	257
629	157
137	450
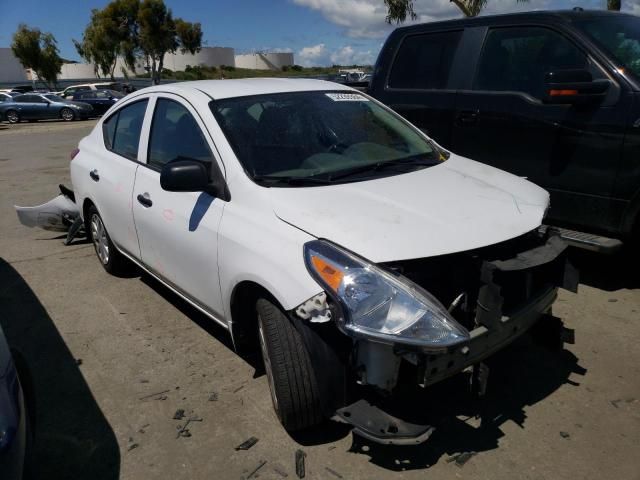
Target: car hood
455	206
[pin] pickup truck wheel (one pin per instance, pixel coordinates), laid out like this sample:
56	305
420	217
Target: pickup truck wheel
111	259
294	390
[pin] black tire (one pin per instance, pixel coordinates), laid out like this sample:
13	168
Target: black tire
67	115
294	389
114	262
12	116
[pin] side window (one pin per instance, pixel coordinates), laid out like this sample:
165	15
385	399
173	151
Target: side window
424	61
121	131
175	135
69	92
517	59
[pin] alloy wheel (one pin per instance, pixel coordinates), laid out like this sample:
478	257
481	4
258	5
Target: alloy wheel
67	114
12	116
100	240
267	366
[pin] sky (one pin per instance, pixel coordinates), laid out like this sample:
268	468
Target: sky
318	32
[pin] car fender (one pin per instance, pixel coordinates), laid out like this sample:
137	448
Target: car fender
258	247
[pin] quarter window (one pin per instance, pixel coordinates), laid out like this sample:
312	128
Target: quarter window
517	59
175	135
424	61
121	130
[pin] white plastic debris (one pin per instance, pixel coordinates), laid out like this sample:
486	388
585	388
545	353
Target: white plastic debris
56	215
316	309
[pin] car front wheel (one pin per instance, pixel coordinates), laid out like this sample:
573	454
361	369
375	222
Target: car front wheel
12	116
112	260
293	385
67	114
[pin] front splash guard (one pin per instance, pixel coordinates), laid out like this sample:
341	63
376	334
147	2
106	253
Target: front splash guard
378	426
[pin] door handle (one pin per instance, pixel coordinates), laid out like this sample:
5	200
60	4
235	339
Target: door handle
94	175
468	117
145	200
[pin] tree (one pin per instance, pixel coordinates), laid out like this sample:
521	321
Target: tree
39	52
159	33
111	33
397	10
614	5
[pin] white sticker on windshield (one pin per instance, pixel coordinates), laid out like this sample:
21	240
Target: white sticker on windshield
346	97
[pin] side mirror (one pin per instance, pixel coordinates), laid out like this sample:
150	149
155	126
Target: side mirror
184	176
188	175
574	87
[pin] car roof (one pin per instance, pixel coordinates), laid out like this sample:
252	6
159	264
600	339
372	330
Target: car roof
566	16
218	89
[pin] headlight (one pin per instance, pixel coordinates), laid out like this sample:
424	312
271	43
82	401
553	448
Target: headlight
378	304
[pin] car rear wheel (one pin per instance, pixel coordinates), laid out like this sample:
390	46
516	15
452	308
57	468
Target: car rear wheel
67	114
292	381
12	116
110	258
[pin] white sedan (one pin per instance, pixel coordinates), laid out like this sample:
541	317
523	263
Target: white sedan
314	223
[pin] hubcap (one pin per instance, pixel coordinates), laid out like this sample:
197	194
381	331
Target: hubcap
99	236
12	117
267	366
67	114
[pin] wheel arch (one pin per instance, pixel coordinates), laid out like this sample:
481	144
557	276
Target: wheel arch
243	316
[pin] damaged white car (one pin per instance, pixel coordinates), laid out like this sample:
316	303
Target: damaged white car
312	222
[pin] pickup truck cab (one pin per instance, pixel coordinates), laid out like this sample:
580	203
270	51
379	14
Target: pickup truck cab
550	96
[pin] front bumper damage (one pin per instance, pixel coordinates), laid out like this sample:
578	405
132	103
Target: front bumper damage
516	285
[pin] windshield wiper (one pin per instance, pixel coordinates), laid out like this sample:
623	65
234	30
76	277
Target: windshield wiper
291	180
414	160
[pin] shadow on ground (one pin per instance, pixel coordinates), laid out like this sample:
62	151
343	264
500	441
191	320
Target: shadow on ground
607	272
73	438
521	375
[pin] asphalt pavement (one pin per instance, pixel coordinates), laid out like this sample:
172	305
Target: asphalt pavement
114	359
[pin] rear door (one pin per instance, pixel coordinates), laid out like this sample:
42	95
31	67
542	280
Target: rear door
572	151
420	81
110	173
178	231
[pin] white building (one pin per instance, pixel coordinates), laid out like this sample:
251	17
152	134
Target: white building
206	57
72	71
10	68
264	61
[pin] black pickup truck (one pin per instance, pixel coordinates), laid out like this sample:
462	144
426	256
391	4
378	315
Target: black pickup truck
551	96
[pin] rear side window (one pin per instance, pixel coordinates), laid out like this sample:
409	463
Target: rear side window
424	61
517	59
121	131
175	135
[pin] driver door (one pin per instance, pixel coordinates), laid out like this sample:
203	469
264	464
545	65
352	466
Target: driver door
178	231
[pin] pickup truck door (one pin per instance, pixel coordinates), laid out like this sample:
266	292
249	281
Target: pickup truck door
178	231
572	151
420	83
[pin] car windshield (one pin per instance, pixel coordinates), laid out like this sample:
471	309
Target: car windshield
53	98
619	36
306	138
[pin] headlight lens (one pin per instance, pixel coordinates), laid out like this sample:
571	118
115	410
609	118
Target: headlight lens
378	304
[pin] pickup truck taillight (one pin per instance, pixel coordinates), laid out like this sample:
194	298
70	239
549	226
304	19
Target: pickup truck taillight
74	152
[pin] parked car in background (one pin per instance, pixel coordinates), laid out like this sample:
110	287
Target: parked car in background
5	97
314	223
16	414
69	92
100	100
22	88
38	106
550	96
